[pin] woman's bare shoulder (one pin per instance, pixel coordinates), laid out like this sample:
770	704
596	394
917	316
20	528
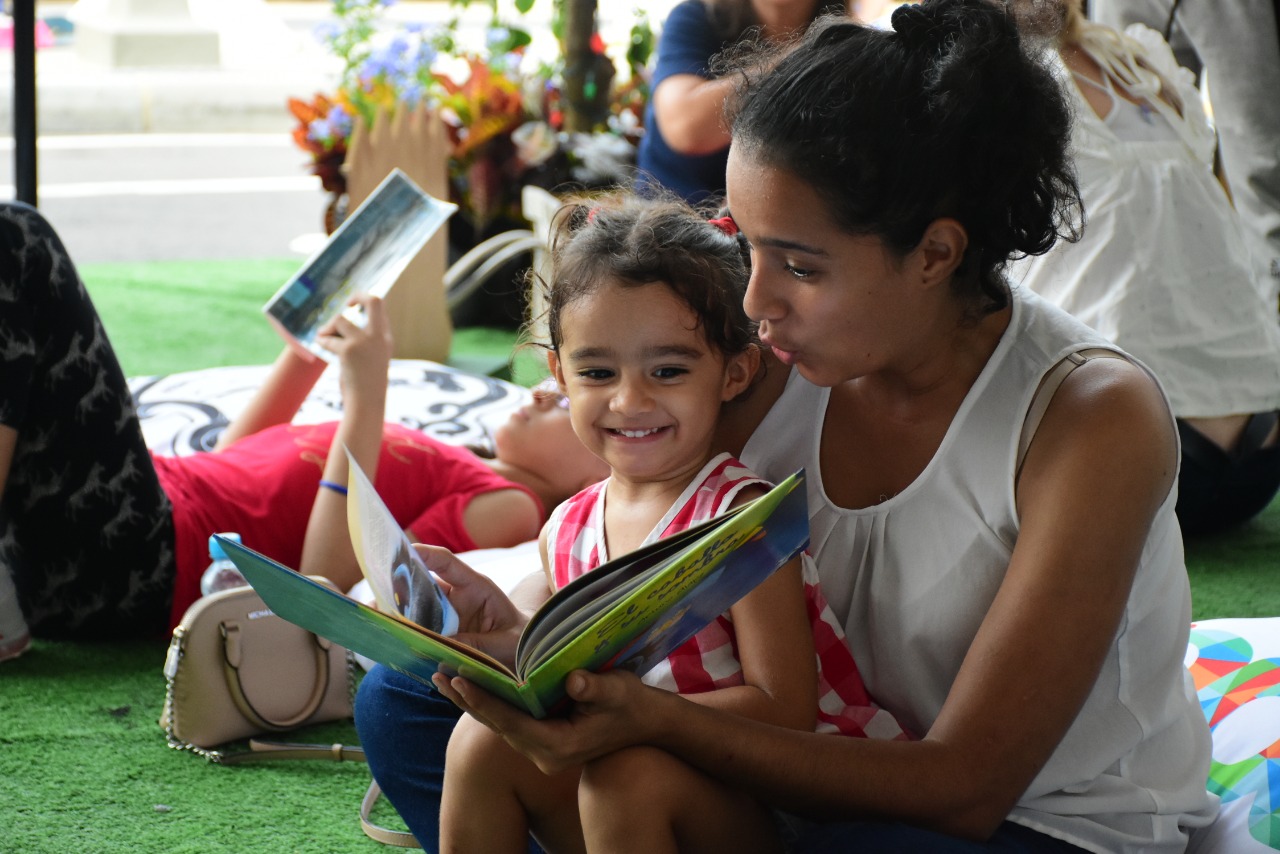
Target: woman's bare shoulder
1108	423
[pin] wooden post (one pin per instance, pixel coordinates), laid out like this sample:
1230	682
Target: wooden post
413	140
588	75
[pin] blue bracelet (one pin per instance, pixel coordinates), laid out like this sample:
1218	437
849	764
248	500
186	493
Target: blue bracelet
336	487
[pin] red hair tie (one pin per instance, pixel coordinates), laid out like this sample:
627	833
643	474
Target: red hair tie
725	224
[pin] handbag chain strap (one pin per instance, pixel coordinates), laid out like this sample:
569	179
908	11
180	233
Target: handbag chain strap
177	650
272	750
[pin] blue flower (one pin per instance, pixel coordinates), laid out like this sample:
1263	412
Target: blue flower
398	46
340	121
377	65
411	92
425	55
318	130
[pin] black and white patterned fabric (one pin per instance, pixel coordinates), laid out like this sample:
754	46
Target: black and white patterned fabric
185	413
85	529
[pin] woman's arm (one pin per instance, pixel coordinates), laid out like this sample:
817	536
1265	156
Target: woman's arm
688	105
8	444
690	113
364	353
277	400
1102	462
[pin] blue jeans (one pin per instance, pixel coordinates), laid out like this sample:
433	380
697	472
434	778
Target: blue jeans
404	727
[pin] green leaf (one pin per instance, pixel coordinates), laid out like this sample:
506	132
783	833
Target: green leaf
513	39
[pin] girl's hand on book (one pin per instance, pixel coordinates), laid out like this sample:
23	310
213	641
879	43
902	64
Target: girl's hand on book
611	711
363	349
487	619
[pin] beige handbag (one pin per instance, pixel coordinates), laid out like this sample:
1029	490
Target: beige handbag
236	670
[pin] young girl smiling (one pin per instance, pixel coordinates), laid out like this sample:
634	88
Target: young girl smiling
648	341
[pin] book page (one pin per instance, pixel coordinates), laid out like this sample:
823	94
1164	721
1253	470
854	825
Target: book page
366	254
400	581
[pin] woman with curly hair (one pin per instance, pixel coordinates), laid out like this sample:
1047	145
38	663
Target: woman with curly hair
990	483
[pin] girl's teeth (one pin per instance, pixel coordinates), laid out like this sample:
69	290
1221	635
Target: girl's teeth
638	434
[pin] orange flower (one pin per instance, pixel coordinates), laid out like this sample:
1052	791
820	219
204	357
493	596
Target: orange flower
486	106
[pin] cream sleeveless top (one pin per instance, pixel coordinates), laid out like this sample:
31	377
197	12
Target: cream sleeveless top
1163	268
912	578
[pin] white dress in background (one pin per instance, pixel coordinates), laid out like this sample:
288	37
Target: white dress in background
1163	268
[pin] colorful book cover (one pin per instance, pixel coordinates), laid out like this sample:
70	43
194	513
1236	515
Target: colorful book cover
630	612
366	254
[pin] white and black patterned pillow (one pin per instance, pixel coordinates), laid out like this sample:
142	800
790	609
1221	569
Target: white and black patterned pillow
184	413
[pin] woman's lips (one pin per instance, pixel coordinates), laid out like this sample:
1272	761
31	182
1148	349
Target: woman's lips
786	357
783	355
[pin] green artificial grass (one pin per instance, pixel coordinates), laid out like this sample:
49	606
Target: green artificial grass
171	316
83	764
84	767
168	316
1237	574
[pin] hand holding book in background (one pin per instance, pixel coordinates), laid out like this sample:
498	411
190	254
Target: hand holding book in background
366	254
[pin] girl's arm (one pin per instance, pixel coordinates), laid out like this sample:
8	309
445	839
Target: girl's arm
363	356
1025	677
277	400
775	647
501	518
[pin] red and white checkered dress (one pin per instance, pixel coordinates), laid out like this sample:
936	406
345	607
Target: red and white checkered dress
709	660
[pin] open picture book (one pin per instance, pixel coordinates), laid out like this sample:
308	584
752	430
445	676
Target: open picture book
365	254
628	613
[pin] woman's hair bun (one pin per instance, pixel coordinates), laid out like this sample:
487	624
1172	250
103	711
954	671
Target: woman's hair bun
918	24
949	114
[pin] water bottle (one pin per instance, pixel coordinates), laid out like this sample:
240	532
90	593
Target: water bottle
222	573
